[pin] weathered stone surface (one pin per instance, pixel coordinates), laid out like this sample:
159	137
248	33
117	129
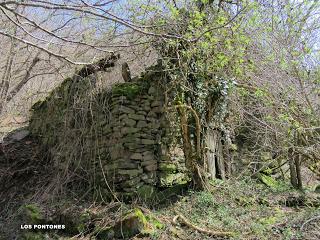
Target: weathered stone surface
129	122
156	104
149	162
146	135
132	224
142	112
142	124
136	116
130	172
157	109
151	168
128	130
155	125
123	116
133	146
136	156
146	108
125	109
148	156
147	141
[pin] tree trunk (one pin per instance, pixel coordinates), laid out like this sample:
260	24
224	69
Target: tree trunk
211	154
298	170
215	159
295	170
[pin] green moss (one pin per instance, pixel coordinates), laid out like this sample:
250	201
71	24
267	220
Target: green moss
130	90
268	181
169	179
154	222
33	213
138	213
168	167
268	220
133	223
83	222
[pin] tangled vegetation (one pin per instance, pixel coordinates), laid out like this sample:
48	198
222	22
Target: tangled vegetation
241	82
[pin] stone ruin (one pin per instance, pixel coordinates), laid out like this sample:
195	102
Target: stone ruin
121	139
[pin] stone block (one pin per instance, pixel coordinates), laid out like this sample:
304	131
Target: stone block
128	130
125	109
155	125
130	172
151	168
130	138
122	116
129	122
148	156
146	108
157	109
147	141
141	112
136	116
133	146
142	124
149	162
136	156
156	104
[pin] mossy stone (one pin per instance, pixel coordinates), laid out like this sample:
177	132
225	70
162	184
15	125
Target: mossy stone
135	222
167	167
268	181
169	179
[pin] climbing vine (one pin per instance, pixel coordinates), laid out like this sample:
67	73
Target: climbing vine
202	66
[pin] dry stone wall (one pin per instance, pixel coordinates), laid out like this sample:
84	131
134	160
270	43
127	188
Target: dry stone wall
122	137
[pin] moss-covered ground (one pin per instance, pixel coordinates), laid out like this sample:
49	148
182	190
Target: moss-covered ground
246	208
